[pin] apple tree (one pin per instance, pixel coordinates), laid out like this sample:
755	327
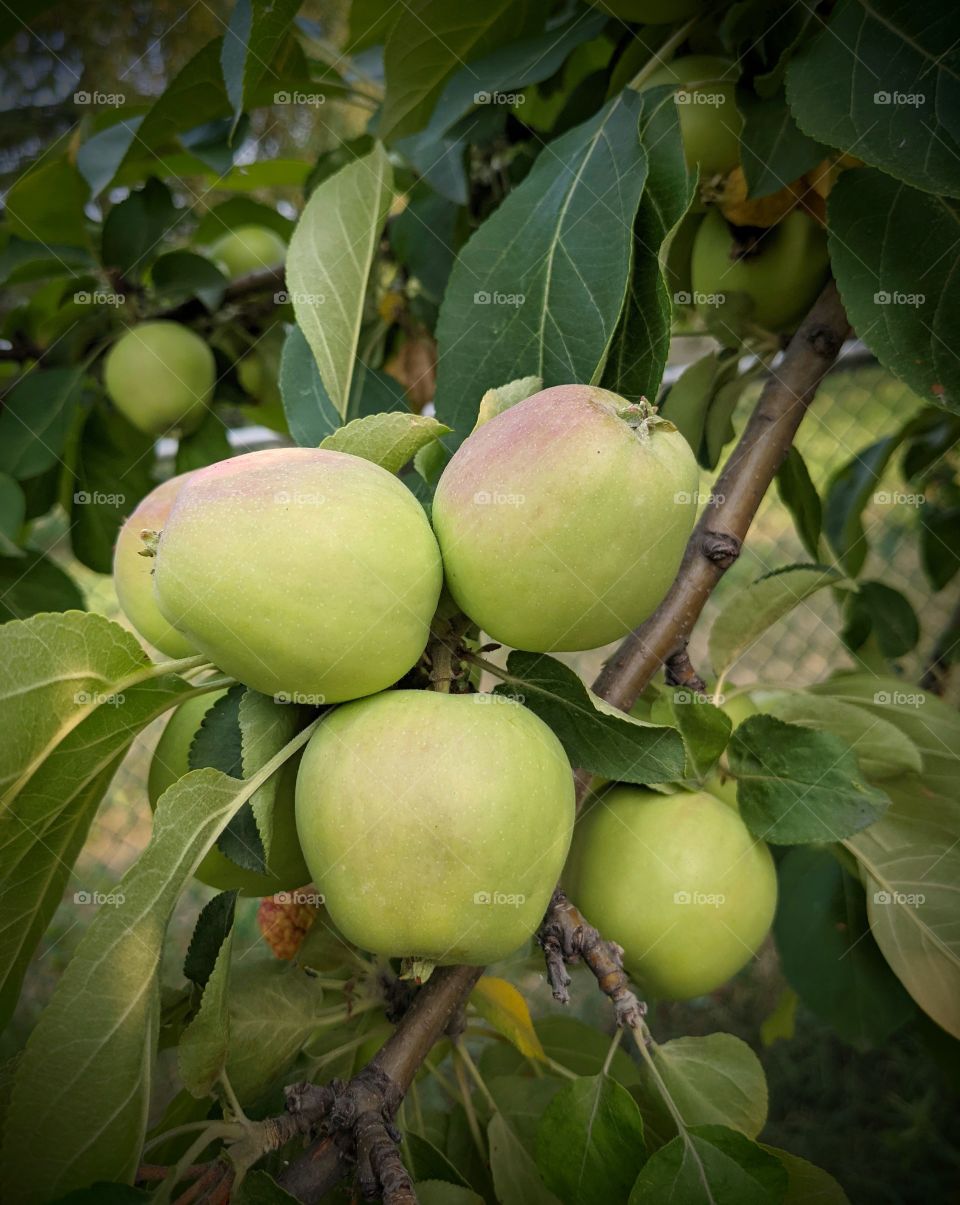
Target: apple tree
377	439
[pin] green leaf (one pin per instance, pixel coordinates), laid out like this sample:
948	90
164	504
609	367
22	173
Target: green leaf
209	444
33	583
688	399
940	544
642	339
259	1188
523	1100
749	613
425	1162
45	205
99	158
711	1164
37	414
881	748
799	495
274	1008
796	786
213	927
328	264
256	29
880	81
884	612
240	211
13	511
774	150
180	275
849	491
590	1142
136	227
827	953
496	401
893	253
705	729
311	415
266	725
579	1047
539	288
76	691
90	1055
203	1046
389	440
515	1175
596	736
912	901
439	1192
807	1183
113	471
430	41
712	1080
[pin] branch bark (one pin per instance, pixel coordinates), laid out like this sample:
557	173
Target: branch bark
661	641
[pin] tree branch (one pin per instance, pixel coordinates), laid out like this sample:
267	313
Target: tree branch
713	547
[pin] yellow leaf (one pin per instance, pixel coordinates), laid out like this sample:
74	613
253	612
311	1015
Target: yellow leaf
499	1002
781	1022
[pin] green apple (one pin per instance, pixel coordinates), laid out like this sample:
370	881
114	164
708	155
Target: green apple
779	278
562	521
171	760
678	881
133	573
160	376
710	122
303	572
247	249
435	825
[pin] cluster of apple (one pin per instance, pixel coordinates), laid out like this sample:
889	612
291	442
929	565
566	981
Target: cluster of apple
741	262
436	825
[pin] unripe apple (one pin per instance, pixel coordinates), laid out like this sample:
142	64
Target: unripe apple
171	760
563	520
247	249
710	122
678	881
303	572
133	573
780	275
435	825
160	376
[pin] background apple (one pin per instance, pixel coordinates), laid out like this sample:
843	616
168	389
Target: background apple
562	523
171	760
160	376
247	249
710	122
781	276
300	571
435	825
678	881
